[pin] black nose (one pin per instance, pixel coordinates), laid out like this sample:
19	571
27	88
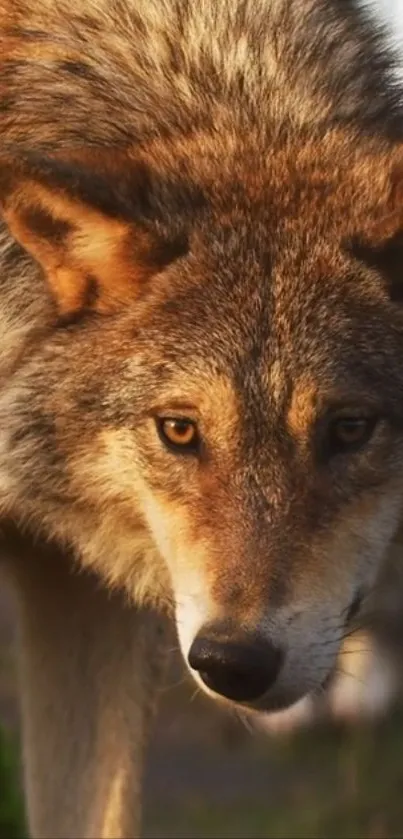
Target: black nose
239	670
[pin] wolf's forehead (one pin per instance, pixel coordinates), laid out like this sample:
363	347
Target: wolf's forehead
263	366
252	320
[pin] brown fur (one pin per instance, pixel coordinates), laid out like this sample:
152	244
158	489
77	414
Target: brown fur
201	218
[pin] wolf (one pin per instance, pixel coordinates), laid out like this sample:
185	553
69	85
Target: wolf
201	377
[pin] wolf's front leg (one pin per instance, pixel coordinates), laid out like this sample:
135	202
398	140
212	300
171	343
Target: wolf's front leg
90	664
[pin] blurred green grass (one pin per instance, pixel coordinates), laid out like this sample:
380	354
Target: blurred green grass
12	823
325	783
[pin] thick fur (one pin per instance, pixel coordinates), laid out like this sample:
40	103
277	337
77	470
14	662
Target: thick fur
202	217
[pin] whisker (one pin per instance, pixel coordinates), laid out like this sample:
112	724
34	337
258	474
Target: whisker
195	693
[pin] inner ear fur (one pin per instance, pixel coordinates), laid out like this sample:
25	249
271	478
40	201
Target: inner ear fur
380	245
84	227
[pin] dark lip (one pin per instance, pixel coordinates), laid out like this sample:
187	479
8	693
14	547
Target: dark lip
354	609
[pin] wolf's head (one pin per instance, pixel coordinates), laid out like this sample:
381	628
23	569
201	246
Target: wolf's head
219	387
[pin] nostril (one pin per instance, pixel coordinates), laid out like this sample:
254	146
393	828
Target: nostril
241	671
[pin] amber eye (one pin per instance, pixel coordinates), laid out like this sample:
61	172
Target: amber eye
350	432
179	434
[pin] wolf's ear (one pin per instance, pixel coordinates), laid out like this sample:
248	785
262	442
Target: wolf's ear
380	246
85	228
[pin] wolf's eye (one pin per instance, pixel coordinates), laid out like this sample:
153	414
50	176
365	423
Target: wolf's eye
179	434
347	433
